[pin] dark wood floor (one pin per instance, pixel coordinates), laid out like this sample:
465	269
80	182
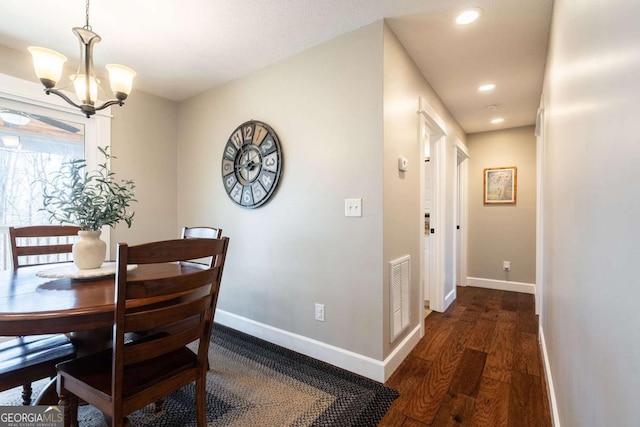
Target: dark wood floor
478	364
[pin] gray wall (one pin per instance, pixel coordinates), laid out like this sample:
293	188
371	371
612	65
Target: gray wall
403	225
298	249
591	290
500	233
339	141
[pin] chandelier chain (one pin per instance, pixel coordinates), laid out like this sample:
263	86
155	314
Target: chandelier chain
87	26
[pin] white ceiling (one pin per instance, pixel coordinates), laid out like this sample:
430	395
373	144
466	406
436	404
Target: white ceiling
181	48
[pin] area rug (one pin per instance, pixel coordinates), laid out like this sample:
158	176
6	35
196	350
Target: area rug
256	383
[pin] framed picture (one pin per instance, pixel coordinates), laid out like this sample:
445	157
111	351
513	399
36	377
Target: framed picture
500	185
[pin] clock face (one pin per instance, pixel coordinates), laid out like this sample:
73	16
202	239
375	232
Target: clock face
251	164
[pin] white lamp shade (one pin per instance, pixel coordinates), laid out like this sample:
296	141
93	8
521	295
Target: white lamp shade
47	63
120	78
80	86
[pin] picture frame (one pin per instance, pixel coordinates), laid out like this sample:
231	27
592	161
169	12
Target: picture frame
500	185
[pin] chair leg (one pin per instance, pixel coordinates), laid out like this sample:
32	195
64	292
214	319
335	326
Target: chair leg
69	403
201	401
158	405
27	391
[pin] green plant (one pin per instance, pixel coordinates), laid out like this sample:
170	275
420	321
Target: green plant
88	199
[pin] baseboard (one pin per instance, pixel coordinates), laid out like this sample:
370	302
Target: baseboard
353	362
502	285
550	389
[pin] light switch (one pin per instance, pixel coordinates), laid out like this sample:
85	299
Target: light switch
352	207
403	164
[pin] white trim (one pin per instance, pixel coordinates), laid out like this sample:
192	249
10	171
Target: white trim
502	285
550	388
353	362
432	123
540	149
450	297
462	211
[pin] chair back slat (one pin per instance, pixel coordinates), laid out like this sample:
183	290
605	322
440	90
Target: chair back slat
36	241
162	286
165	251
165	314
163	344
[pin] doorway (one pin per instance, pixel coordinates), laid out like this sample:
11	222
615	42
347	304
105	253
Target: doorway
432	190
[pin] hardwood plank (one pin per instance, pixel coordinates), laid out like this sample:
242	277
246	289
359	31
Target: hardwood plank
481	335
510	301
472	312
527	322
428	396
526	354
526	302
466	380
456	410
465	294
455	310
492	404
506	316
393	418
406	379
433	392
491	310
494	294
546	406
434	338
410	422
525	401
500	356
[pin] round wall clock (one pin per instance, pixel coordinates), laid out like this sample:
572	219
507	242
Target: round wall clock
251	164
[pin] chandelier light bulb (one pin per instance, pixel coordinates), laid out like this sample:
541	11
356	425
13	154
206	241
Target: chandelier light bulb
48	66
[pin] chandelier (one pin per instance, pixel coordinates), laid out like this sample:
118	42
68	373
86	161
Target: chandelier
48	67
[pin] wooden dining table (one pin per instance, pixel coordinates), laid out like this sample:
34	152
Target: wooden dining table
83	308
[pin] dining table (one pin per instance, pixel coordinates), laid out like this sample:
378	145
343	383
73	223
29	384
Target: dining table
34	301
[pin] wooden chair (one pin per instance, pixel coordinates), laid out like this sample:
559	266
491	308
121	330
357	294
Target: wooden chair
130	376
56	232
24	360
202	233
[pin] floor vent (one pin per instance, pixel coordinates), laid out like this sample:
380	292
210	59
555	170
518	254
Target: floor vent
400	272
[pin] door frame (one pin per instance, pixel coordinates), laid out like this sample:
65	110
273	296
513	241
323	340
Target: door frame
461	201
431	124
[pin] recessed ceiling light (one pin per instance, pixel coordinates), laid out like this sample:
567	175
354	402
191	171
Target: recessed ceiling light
497	120
486	87
467	16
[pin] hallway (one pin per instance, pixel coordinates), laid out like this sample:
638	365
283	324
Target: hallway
479	364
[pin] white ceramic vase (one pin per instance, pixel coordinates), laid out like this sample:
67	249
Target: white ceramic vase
89	251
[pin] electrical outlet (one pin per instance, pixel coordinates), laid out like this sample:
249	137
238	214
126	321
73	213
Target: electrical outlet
352	207
506	265
320	312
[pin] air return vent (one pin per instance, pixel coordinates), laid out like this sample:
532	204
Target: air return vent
400	271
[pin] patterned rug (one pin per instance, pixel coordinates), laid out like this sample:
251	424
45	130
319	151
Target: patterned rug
256	383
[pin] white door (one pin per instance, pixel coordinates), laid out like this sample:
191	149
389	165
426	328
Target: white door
432	272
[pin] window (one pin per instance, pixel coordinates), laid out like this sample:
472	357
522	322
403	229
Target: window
37	135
